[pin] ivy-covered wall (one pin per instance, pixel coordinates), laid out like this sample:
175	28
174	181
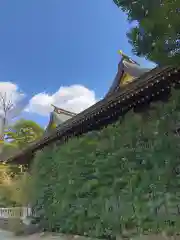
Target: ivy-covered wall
124	179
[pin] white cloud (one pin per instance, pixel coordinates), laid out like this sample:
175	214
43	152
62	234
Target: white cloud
75	98
10	91
11	99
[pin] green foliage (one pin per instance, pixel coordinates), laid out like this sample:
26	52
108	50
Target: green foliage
121	180
8	150
5	180
156	35
13	186
24	132
19	186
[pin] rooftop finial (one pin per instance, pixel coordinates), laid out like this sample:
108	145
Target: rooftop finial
120	52
124	56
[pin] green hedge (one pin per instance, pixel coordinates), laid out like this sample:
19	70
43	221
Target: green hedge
122	180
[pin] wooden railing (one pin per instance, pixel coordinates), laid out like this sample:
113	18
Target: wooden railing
16	212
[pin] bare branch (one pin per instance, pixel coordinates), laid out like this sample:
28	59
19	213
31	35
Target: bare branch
7	104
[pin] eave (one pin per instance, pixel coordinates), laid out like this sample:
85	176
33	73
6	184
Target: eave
152	86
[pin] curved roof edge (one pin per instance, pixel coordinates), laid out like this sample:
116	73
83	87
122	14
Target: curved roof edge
58	116
129	67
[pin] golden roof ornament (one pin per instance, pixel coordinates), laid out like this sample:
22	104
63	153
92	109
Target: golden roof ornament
124	56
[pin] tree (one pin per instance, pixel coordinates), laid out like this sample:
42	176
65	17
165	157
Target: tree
13	185
8	149
11	105
120	181
5	182
24	132
156	35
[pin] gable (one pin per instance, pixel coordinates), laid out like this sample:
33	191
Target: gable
57	117
127	72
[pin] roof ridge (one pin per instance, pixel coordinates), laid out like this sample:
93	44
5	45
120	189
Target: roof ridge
56	109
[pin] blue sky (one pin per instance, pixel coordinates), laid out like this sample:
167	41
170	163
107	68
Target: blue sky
45	44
